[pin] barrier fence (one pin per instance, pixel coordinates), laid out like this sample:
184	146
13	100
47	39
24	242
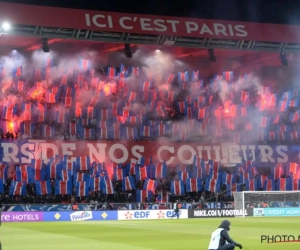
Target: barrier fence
115	206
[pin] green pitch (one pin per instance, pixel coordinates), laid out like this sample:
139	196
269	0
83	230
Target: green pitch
142	235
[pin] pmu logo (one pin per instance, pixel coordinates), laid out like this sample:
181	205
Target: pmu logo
279	238
128	215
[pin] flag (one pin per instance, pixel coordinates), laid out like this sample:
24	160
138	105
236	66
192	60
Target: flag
128	183
27	128
17	188
251	185
95	184
106	186
160	171
1	186
183	76
183	176
83	163
177	187
228	76
23	174
269	185
193	185
84	64
141	173
64	175
82	189
228	178
141	195
37	173
52	170
43	187
146	86
150	185
18	71
111	72
212	185
63	187
277	171
118	173
284	184
195	76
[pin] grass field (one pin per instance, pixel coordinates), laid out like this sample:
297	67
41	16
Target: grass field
142	235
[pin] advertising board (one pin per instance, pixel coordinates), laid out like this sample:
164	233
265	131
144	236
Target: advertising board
212	213
80	215
276	212
150	214
22	216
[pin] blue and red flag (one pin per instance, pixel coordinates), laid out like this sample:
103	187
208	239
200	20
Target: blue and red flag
269	185
160	170
43	187
37	173
141	173
63	187
294	117
111	72
163	197
146	86
52	170
82	189
284	184
84	64
128	183
193	185
212	185
95	184
118	173
177	187
17	188
23	174
251	185
106	186
183	76
83	163
228	76
277	171
150	185
195	76
64	175
18	71
141	195
183	176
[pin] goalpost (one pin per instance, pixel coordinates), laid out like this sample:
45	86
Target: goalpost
259	199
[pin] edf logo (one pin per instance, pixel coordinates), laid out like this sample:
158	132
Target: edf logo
141	214
171	213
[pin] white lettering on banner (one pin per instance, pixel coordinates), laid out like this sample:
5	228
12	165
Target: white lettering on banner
186	148
29	155
150	214
219	213
120	153
97	155
65	150
165	25
113	158
163	148
135	151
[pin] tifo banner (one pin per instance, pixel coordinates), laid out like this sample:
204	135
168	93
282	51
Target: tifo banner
22	216
150	214
209	213
276	212
124	152
80	215
146	24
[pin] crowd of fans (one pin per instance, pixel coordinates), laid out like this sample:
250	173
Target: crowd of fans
121	104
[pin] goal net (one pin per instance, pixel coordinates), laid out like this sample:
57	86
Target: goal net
259	199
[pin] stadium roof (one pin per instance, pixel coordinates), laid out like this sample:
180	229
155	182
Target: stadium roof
259	11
